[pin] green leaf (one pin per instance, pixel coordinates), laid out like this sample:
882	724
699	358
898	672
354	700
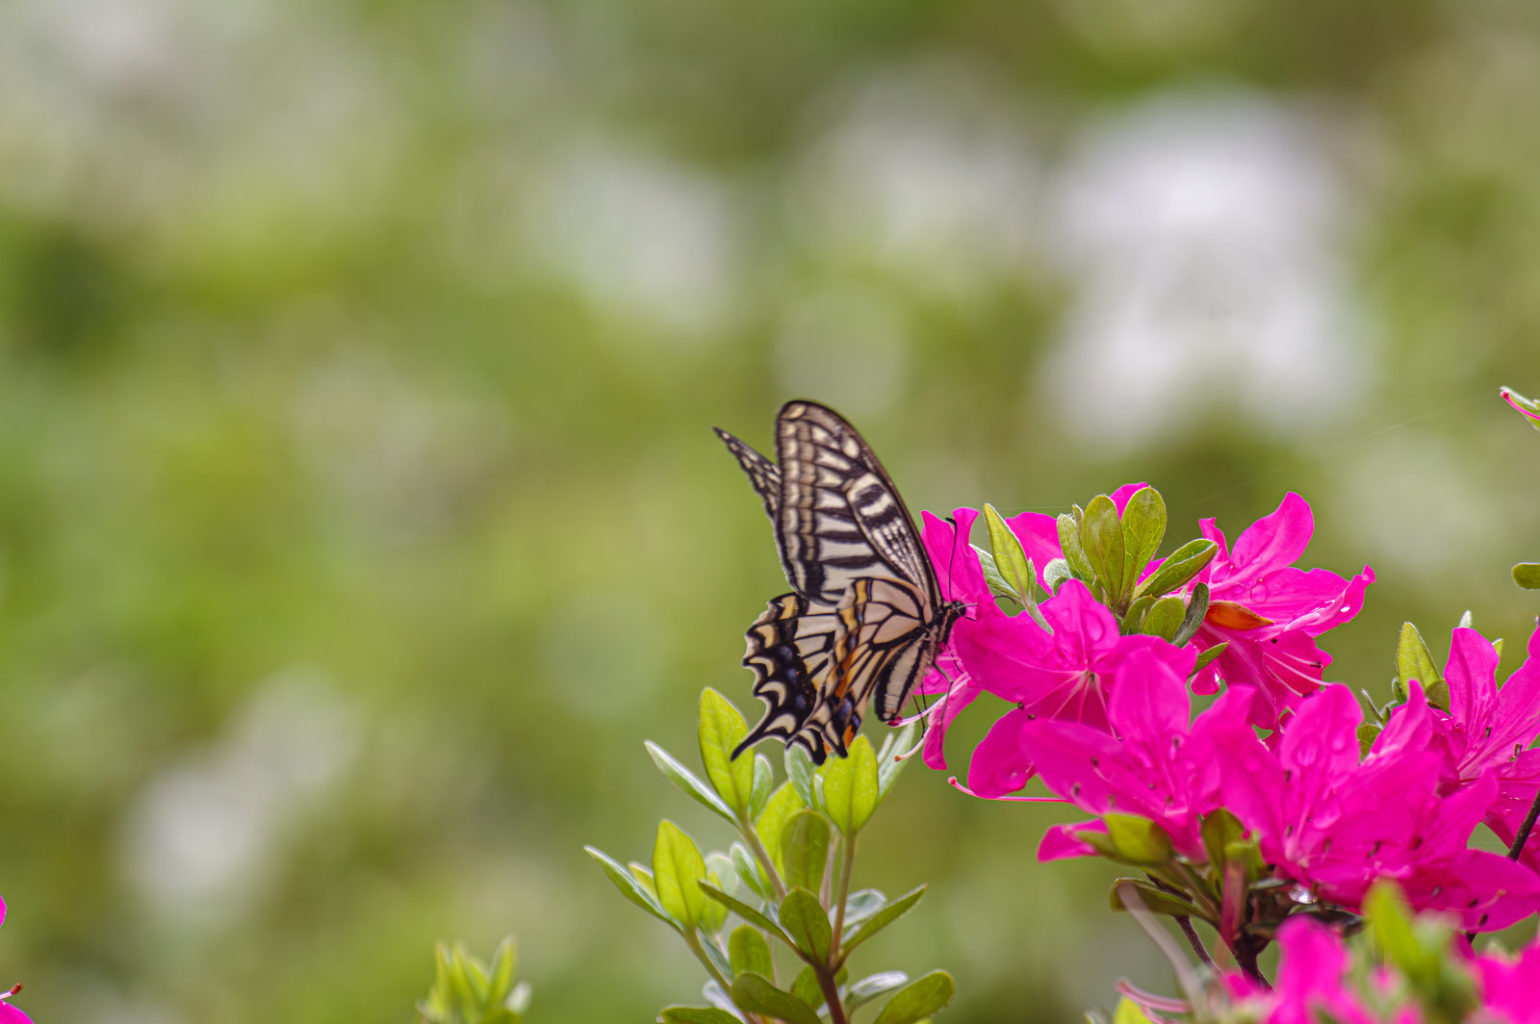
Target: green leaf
1074	551
500	980
1164	617
629	887
682	777
1220	828
747	912
872	986
1010	559
884	917
918	1000
992	576
1054	574
1197	608
783	803
1144	527
799	772
677	870
1102	537
805	849
713	915
757	994
850	786
1527	575
1180	566
748	871
861	904
1129	1013
764	783
721	728
1155	900
1415	661
1134	617
747	950
805	921
1208	654
697	1015
1138	840
723	872
806	988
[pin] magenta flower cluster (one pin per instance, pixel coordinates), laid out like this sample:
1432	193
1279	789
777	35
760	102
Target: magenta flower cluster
1105	718
1319	980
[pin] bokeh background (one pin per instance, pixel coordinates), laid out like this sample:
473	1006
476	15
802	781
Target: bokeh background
359	515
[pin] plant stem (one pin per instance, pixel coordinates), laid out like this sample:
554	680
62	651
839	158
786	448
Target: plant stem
1525	828
746	830
848	846
1193	940
831	994
693	941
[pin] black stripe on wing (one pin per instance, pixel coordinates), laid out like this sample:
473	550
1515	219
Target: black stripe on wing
789	650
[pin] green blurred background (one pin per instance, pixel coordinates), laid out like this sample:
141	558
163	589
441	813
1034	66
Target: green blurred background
359	515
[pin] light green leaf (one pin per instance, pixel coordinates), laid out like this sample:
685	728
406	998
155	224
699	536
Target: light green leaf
850	786
1102	538
783	803
747	912
1164	617
1527	574
1154	899
862	904
721	728
764	783
1180	566
1075	555
686	780
757	994
806	988
629	887
677	870
1197	608
805	921
805	849
872	986
918	1000
1138	840
1144	527
1128	1012
748	871
713	915
992	576
697	1015
882	918
799	772
747	950
1415	661
1208	654
1010	559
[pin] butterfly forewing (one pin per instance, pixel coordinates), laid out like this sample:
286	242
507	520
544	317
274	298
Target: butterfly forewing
840	516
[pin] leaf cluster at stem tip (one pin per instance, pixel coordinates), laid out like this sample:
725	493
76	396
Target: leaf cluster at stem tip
786	877
1113	553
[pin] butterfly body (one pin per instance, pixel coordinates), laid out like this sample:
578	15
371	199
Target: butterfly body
865	617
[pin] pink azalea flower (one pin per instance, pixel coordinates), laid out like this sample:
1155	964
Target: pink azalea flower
1315	982
1270	612
1511	987
1325	819
1155	763
8	1013
1064	675
1492	728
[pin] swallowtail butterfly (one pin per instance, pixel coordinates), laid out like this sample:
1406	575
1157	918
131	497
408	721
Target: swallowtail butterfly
865	617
